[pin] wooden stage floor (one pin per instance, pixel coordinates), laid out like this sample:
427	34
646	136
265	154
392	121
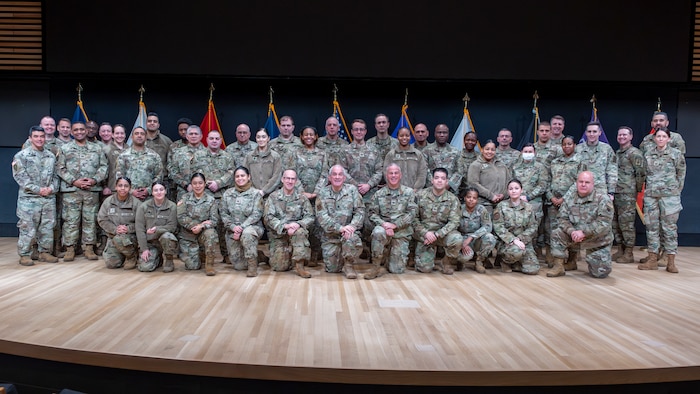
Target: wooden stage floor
411	329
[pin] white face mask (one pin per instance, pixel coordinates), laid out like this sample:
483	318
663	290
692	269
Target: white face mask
528	156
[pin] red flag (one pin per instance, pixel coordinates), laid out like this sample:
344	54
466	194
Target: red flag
211	122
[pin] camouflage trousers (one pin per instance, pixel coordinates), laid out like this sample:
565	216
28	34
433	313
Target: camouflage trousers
119	248
245	248
512	254
336	250
80	209
661	218
425	254
623	219
193	252
287	250
598	258
482	247
165	244
37	216
393	251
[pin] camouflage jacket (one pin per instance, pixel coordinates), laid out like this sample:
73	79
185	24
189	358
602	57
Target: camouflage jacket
281	209
397	206
439	214
33	169
335	210
76	162
163	218
192	210
514	221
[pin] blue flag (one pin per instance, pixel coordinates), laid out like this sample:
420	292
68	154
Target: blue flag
272	124
79	115
342	126
404	122
465	126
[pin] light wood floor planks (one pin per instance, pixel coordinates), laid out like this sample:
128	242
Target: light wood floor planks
417	329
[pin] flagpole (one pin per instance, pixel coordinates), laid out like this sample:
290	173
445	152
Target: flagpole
79	89
595	109
536	118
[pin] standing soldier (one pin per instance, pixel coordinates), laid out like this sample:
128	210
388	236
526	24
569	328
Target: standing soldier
391	212
410	159
286	143
331	143
442	154
585	221
288	217
140	164
181	161
243	145
630	180
436	224
505	152
340	213
33	170
600	160
82	167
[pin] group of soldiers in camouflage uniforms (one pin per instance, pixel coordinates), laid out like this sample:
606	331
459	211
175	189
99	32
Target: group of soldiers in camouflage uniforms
398	201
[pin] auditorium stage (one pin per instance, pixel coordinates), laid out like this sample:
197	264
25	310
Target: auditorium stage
413	329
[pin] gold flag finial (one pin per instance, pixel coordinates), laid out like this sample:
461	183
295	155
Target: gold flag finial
535	97
405	98
466	100
658	104
142	90
211	91
593	100
79	89
270	92
335	92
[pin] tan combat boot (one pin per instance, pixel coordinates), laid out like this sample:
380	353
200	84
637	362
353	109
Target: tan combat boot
70	253
89	252
168	265
627	257
479	266
313	261
26	261
48	257
377	270
209	265
218	257
651	263
252	267
349	269
671	266
299	268
570	264
557	268
35	251
662	259
130	262
448	266
262	258
620	252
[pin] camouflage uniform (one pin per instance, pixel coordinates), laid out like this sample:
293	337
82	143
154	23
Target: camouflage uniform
363	165
397	206
516	221
217	167
180	167
335	210
281	209
414	169
564	171
285	148
535	179
602	162
114	213
665	177
311	166
630	180
422	148
446	157
593	215
161	145
508	156
33	169
464	160
478	226
439	214
546	152
383	146
489	178
143	167
334	149
265	170
80	206
245	209
163	241
112	151
648	143
190	212
238	152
